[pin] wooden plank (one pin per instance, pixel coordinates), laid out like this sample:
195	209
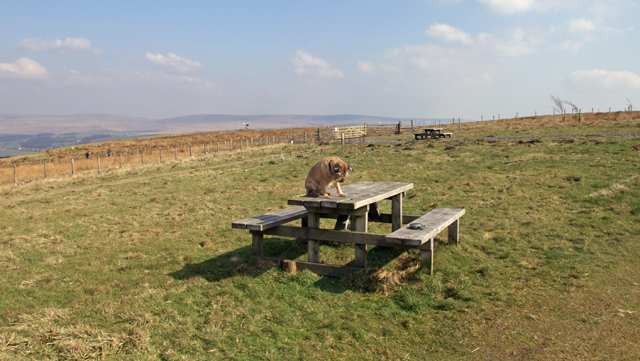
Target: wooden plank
435	222
357	195
329	235
321	269
272	219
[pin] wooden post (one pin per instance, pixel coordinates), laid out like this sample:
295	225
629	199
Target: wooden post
15	175
399	127
396	212
313	247
190	153
120	159
231	144
99	170
426	256
160	151
45	169
453	232
257	241
359	224
141	158
175	149
579	116
72	167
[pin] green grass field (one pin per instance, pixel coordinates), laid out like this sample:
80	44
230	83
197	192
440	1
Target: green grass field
142	263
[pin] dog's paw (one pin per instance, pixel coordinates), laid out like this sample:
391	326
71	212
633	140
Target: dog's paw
342	194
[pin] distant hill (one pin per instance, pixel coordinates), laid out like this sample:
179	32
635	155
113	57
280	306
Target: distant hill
104	123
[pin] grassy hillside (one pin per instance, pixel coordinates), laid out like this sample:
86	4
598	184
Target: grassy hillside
142	263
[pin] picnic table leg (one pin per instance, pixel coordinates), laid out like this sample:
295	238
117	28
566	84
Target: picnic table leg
453	232
313	245
304	222
396	212
359	224
426	256
257	241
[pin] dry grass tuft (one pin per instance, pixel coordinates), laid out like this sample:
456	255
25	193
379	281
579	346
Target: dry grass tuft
84	343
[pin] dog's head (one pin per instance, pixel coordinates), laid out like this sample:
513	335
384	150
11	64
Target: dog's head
339	170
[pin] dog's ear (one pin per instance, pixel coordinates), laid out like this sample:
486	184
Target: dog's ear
330	166
350	168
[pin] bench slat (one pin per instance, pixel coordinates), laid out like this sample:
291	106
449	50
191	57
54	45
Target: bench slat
272	219
435	222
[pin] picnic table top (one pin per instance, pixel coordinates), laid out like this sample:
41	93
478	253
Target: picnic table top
426	129
357	195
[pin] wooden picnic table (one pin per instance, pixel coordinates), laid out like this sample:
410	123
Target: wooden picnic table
432	133
360	205
360	199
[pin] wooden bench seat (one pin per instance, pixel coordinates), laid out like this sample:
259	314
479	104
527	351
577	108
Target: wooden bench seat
433	223
270	220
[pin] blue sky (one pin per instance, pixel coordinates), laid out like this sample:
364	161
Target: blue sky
408	59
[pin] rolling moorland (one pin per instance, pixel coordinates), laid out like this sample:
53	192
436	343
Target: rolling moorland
23	134
141	262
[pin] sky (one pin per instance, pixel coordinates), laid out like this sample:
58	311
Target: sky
404	59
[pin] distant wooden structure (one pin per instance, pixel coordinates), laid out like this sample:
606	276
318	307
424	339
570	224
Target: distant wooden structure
350	132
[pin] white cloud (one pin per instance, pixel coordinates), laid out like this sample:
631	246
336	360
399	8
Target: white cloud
57	45
23	68
366	67
568	45
437	62
509	6
306	64
606	79
582	26
448	33
174	62
515	42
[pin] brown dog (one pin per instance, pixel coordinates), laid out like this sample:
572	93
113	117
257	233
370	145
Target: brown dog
327	171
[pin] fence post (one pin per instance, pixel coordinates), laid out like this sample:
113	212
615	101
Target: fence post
160	150
45	169
120	160
141	158
15	176
399	126
579	116
231	144
175	151
72	167
190	153
99	170
218	151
